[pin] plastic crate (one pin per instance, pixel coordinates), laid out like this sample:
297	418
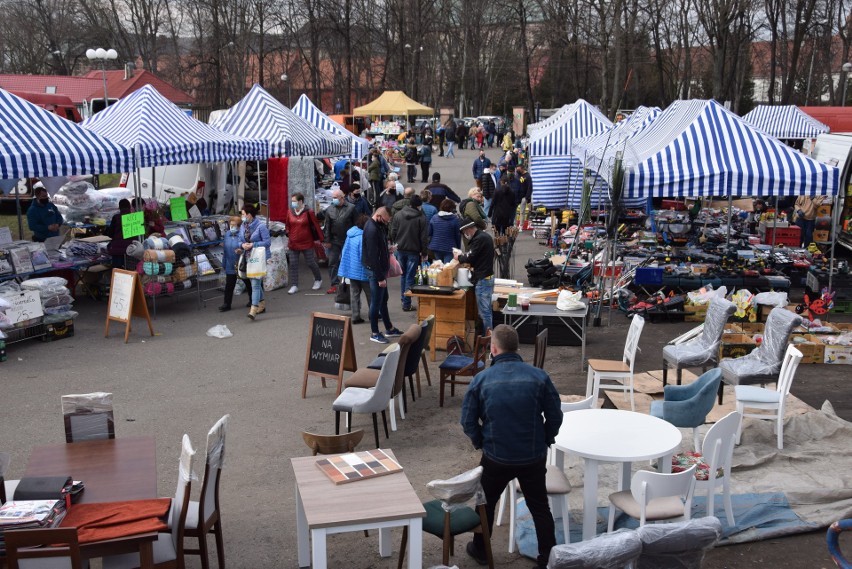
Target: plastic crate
648	276
842	307
788	236
616	269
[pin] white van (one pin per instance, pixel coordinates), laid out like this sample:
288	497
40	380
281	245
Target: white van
206	181
835	149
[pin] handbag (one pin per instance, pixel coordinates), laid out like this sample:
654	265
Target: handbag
241	266
394	268
256	264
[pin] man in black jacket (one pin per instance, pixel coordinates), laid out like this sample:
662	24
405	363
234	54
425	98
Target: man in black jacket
480	256
488	185
410	231
440	191
340	216
375	256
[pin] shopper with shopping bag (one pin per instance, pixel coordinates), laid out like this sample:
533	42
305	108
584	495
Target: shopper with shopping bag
255	252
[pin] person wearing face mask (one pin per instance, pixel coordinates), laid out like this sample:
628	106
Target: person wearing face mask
43	216
303	229
339	218
356	198
231	249
375	258
255	234
480	257
471	208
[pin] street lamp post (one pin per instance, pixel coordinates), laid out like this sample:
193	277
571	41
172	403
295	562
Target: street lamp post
286	79
844	72
102	55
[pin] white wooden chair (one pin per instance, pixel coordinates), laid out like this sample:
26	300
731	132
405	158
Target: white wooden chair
764	399
614	374
655	496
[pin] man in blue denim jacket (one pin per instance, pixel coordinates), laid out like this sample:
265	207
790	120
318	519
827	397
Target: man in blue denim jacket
512	412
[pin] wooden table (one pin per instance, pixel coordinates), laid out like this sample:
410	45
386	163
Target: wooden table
112	470
381	503
610	435
454	315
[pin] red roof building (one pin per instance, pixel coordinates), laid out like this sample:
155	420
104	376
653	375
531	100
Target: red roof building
119	86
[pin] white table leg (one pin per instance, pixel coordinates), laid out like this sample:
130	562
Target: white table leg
385	546
665	464
415	543
318	549
624	476
590	499
560	458
302	537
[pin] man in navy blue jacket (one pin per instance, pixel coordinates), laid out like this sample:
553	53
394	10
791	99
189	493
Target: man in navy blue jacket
512	412
375	258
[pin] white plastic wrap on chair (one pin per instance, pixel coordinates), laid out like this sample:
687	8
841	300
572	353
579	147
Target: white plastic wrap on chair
705	347
97	402
608	551
767	358
88	416
679	545
216	443
459	491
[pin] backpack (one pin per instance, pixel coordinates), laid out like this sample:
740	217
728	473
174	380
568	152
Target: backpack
455	346
411	155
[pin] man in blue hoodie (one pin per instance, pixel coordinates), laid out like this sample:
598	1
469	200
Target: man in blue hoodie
513	413
43	217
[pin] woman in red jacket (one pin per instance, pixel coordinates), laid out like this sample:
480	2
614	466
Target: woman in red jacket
304	229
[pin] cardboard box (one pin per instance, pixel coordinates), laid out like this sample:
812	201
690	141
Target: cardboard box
822	236
838	355
690	308
448	274
824	210
58	331
752	328
813	351
736	345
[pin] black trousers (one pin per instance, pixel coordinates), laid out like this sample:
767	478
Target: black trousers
532	478
230	284
424	167
412	173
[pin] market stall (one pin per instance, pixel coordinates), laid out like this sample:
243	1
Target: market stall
37	143
785	122
552	119
394	104
305	109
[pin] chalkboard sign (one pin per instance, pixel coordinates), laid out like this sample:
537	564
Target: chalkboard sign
330	350
126	299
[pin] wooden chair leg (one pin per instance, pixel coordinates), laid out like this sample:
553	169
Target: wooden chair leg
385	423
411	385
426	369
486	536
404	399
665	373
402	547
452	385
448	538
721	391
337	422
220	543
202	550
376	428
679	374
349	421
419	389
441	391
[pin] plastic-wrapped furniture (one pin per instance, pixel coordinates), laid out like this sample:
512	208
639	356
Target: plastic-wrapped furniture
770	400
168	549
540	349
687	406
702	351
608	551
713	465
372	400
655	496
763	364
450	515
618	375
43	547
204	516
88	417
680	545
456	366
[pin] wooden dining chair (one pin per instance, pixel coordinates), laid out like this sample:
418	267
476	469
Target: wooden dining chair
427	339
43	547
456	366
540	349
168	549
88	417
332	444
204	516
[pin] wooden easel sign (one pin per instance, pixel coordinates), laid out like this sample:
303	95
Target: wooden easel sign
330	351
126	300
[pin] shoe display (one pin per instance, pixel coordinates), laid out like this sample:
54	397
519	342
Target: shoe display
332	290
293	290
379	339
393	332
224	308
317	285
477	555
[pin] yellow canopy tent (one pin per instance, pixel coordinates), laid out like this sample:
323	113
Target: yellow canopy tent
392	103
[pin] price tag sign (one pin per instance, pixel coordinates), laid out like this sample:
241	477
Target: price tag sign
178	207
25	306
133	224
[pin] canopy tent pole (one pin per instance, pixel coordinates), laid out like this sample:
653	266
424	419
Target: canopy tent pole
20	214
774	225
260	189
730	216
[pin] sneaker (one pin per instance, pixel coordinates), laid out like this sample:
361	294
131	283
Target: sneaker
293	290
224	308
408	309
393	332
477	555
317	285
332	290
379	339
358	320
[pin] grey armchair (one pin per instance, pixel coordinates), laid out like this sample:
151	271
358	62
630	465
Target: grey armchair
703	351
687	406
763	364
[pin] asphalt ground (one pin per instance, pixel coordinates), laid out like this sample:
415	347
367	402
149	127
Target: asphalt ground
181	381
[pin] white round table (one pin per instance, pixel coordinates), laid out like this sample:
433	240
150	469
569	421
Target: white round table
610	435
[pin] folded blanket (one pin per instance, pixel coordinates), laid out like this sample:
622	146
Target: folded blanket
112	520
183	273
157	243
155	256
156	289
162	279
157	268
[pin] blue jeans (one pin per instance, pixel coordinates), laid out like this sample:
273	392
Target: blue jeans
807	227
378	305
409	262
484	290
256	291
486	207
450	147
443	256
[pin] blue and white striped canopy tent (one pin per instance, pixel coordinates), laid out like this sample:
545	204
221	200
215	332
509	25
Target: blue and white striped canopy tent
785	122
35	143
166	135
552	119
698	148
311	113
557	174
260	115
